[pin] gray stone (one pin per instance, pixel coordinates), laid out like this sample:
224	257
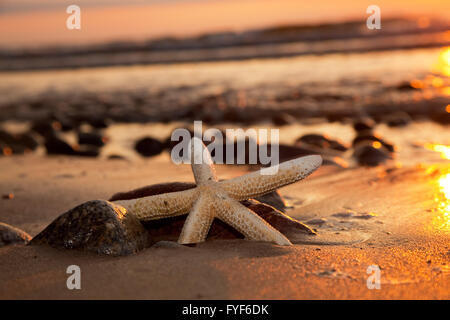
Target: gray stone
98	226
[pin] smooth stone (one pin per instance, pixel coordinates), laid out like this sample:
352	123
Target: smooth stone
11	235
320	141
317	221
364	124
367	155
18	143
98	226
397	119
91	138
365	138
55	145
273	199
43	127
149	147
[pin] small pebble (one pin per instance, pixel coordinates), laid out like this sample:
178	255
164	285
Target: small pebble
8	196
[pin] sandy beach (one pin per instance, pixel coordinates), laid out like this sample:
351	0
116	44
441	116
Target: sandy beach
406	234
88	110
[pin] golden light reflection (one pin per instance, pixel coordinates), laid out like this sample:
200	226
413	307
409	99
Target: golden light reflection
443	64
443	149
441	220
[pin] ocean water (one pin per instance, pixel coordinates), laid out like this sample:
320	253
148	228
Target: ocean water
333	86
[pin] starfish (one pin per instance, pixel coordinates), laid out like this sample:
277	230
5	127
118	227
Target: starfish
220	199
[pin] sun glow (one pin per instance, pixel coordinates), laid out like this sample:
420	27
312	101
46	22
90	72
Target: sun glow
442	220
443	149
443	64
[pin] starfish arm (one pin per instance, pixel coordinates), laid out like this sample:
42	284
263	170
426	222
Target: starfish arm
256	183
252	226
198	222
161	205
201	162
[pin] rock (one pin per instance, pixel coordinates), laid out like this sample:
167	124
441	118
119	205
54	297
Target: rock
406	85
17	143
317	221
169	229
11	235
397	119
44	127
152	190
91	138
273	199
149	146
320	141
8	196
442	116
368	155
283	118
98	226
364	124
99	122
56	145
368	137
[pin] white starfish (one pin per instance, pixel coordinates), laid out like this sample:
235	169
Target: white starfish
213	199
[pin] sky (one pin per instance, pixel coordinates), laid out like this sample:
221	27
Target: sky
35	23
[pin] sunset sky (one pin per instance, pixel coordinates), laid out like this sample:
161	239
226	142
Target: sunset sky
31	23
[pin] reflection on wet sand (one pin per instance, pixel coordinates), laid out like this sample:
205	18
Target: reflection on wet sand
442	219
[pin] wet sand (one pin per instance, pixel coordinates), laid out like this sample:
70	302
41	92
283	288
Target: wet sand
396	218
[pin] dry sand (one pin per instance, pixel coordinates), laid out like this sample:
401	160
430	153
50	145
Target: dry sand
408	237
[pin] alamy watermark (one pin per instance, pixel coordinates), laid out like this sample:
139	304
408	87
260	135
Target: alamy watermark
74	280
222	146
374	279
374	20
74	20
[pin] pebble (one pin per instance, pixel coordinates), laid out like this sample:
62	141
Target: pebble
91	138
368	155
149	146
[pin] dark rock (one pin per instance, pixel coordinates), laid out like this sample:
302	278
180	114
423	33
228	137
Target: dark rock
116	157
98	122
320	141
368	155
91	138
98	226
43	127
397	119
273	199
56	145
148	147
406	86
364	124
152	190
283	118
317	221
17	143
442	116
368	138
11	235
